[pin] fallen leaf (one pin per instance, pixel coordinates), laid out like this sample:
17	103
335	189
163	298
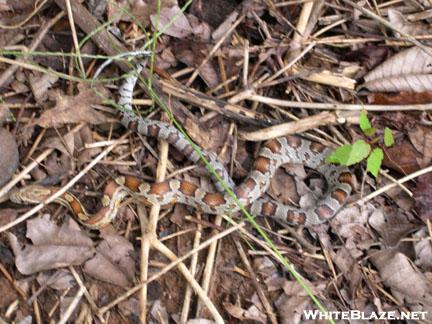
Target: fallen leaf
40	84
408	285
60	280
402	24
409	70
422	196
423	249
73	109
421	138
113	262
401	98
53	247
179	26
369	56
9	156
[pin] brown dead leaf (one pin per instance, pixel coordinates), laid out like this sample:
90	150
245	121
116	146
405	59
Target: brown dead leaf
53	247
179	27
159	312
212	12
409	70
401	98
73	109
349	267
421	138
401	23
408	285
422	196
60	280
369	56
423	249
351	224
391	225
293	301
113	262
9	156
136	10
192	53
40	83
402	157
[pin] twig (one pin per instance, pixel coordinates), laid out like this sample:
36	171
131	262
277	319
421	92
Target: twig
193	268
74	37
392	185
254	281
34	12
214	49
34	44
386	23
191	280
300	126
74	304
171	266
337	106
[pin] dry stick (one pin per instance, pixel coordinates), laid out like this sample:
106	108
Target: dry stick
255	282
214	49
191	280
61	191
34	44
386	23
74	36
211	254
193	267
209	266
300	126
224	108
337	106
72	306
149	229
392	185
32	165
34	12
301	27
83	287
171	266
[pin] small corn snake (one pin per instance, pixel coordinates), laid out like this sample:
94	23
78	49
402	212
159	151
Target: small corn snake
274	153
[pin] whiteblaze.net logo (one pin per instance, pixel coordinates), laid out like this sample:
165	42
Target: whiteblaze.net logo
359	315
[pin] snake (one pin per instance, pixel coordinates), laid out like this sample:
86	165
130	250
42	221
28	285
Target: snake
250	193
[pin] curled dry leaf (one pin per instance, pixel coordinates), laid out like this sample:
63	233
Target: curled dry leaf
60	280
113	262
40	84
408	285
423	249
73	109
409	70
401	23
180	26
53	247
9	157
422	196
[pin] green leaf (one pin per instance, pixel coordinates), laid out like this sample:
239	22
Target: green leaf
350	154
365	124
374	161
388	137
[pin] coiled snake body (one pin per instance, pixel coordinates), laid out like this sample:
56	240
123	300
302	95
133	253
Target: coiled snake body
274	153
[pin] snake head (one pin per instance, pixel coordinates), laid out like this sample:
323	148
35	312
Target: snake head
33	194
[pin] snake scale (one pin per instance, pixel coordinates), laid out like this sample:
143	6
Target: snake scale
274	153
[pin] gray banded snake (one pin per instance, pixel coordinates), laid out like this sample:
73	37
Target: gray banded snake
273	153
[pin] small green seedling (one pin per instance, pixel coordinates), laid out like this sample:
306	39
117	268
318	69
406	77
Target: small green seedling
350	154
